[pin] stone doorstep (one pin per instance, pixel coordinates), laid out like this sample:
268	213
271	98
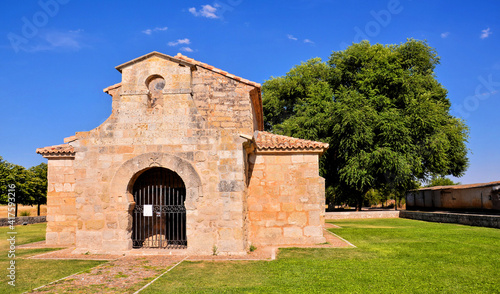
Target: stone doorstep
141	252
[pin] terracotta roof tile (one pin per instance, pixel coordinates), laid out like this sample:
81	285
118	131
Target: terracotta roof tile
106	90
62	149
217	70
267	142
457	187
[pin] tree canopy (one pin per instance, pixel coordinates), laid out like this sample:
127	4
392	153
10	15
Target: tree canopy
30	184
381	109
441	181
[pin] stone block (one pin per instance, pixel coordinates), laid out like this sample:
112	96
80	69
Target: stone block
269	233
272	207
297	219
66	238
94	225
89	239
52	238
125	149
314	218
287	207
255	207
108	235
313	231
297	158
292	232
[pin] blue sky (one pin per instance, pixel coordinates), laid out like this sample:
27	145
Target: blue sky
57	55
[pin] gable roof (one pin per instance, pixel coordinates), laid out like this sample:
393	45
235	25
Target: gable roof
184	60
268	142
458	187
56	150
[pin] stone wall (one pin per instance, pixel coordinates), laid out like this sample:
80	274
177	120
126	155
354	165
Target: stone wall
285	199
194	124
492	221
205	125
23	220
61	209
364	214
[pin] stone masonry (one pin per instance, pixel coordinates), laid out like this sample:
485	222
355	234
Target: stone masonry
243	186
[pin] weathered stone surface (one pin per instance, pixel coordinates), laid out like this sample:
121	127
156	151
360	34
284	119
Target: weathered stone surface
187	117
284	197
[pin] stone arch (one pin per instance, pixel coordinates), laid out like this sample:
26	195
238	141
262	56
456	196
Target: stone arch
129	171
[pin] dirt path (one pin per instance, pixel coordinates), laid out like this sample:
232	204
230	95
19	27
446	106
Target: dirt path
127	274
124	275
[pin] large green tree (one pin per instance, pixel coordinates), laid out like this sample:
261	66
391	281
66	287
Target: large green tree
381	109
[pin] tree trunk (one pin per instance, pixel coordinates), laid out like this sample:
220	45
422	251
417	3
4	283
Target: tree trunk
38	209
16	210
359	203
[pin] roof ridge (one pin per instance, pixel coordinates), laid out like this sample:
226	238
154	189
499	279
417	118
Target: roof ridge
269	141
61	149
462	186
215	69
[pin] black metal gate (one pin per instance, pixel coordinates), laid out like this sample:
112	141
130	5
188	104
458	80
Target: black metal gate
159	216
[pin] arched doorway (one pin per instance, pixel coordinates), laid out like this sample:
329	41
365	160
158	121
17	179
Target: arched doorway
159	216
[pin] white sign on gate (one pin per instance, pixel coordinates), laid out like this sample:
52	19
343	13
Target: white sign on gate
148	210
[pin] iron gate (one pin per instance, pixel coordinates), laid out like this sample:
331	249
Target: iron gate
159	216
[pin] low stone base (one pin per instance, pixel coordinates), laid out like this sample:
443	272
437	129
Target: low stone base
23	220
479	220
364	214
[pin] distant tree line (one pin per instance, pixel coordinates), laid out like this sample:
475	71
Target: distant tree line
30	184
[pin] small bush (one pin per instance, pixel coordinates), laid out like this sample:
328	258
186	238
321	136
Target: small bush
25	213
252	248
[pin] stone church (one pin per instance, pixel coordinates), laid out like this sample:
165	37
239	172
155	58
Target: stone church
183	164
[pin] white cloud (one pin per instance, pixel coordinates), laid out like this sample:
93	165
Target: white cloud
307	41
186	49
445	35
55	41
157	29
185	41
207	11
291	37
486	33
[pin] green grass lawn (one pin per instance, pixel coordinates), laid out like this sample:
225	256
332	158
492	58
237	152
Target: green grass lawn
32	273
393	256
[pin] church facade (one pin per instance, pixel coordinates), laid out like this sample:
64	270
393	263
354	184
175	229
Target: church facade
183	163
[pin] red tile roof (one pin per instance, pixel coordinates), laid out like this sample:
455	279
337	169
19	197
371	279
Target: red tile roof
62	149
457	187
270	142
